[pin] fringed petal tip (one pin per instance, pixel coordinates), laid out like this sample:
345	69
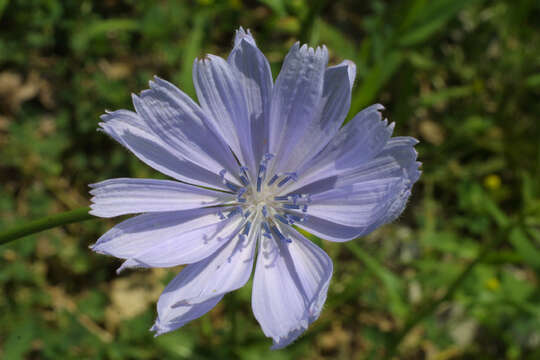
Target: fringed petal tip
102	249
129	263
283	341
351	71
156	79
201	61
96	211
94	185
306	50
243	35
158	330
375	107
97	248
391	126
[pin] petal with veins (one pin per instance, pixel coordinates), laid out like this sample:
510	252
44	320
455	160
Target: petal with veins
123	196
295	98
290	285
130	130
181	123
200	286
253	71
169	238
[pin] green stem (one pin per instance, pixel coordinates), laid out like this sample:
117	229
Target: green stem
47	222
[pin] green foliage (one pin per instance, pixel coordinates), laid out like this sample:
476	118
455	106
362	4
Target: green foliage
462	76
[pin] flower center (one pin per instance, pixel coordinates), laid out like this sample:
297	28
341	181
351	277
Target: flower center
264	202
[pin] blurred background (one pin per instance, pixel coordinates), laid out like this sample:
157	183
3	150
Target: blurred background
463	76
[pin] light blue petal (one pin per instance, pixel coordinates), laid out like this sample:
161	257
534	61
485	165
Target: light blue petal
221	96
200	286
351	211
295	100
174	318
355	144
253	72
351	69
357	202
397	159
166	239
358	205
331	111
130	130
181	123
290	286
400	150
242	34
328	230
123	196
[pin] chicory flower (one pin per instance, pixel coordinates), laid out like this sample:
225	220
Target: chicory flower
252	163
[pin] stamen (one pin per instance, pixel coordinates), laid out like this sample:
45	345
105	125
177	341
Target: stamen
273	180
244	177
290	176
266	228
282	219
247	228
264	211
220	214
296	199
291	206
261	175
280	235
235	211
231	186
226	182
294	218
239	197
307	197
247	213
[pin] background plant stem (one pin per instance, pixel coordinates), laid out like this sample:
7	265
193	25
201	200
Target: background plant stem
47	222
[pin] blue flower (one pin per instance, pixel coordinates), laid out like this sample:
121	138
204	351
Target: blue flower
248	163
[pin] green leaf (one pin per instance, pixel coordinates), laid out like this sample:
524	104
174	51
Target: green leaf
496	213
337	42
525	248
3	5
82	38
375	79
277	6
533	81
427	17
391	282
177	344
19	340
446	94
192	50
